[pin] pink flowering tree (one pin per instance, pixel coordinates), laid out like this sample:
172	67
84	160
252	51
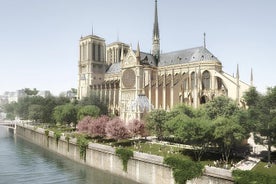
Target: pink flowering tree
98	126
83	124
116	129
136	127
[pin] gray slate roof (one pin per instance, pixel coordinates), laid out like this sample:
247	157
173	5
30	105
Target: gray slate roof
186	56
147	58
114	68
171	58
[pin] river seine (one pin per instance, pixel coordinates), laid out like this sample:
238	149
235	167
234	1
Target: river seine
25	163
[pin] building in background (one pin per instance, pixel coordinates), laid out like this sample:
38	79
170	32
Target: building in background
132	82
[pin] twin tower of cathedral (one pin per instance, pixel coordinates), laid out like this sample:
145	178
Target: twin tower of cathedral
132	82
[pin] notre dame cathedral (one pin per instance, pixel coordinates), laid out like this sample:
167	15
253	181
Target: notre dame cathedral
133	82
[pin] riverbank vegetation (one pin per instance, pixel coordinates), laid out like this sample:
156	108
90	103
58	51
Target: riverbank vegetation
214	133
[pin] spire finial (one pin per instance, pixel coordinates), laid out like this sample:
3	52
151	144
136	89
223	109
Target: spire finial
92	30
238	73
204	37
138	51
251	77
118	37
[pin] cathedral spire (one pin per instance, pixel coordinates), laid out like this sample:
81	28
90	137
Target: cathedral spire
156	36
251	77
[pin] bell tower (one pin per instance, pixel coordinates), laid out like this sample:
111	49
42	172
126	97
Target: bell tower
92	64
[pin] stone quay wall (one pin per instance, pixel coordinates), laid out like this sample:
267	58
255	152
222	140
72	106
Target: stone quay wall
142	168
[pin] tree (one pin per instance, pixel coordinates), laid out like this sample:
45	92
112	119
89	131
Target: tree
88	110
173	124
94	99
262	111
35	112
98	126
156	122
221	106
197	133
31	92
227	133
116	129
83	124
65	113
136	127
10	109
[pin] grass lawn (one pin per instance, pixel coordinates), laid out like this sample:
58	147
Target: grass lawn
260	167
157	149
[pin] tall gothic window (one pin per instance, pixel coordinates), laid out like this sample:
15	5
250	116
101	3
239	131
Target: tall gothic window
193	80
99	52
219	83
206	80
93	51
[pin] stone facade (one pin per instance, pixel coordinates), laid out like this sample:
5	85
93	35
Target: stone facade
132	82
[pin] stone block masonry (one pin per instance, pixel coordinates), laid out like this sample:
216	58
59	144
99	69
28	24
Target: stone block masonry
143	168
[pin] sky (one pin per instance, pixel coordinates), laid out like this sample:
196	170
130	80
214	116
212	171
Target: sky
39	39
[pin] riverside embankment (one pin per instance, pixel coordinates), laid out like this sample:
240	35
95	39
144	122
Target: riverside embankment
142	168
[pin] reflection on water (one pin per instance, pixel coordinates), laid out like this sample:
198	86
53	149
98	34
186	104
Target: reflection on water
26	163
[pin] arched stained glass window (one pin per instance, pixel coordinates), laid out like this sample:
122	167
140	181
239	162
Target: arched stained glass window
193	80
206	80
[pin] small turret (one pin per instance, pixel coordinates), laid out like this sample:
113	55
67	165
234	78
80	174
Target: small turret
138	52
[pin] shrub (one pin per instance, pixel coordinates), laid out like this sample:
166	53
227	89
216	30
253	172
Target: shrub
124	143
82	142
57	136
184	170
124	155
244	177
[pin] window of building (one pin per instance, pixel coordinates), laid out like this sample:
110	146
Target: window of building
193	80
93	51
206	80
99	52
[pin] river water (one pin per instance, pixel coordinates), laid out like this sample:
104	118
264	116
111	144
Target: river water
25	163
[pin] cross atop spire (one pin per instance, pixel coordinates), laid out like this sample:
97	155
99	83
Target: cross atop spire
204	40
92	30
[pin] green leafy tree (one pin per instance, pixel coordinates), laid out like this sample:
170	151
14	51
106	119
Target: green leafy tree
31	92
35	112
262	111
173	124
94	99
156	122
88	110
221	106
10	110
196	132
227	133
65	114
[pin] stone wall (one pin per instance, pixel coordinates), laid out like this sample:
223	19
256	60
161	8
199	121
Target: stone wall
142	168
